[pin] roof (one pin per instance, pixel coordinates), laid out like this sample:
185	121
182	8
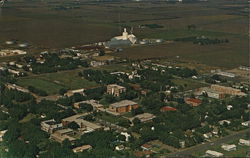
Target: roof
147	146
145	117
115	85
194	100
74	117
81	148
168	108
123	103
211	152
64	131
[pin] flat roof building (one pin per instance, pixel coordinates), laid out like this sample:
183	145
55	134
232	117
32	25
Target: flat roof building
228	147
212	153
50	126
145	117
123	106
82	148
115	89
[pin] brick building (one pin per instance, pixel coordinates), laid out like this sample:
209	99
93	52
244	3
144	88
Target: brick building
123	106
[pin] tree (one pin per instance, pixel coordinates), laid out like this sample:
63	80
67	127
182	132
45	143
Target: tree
136	121
62	91
137	111
73	125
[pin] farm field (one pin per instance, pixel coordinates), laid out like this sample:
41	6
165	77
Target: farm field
83	22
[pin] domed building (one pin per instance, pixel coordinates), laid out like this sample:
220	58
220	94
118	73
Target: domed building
124	40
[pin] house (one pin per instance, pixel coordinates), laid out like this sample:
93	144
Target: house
230	147
246	124
123	106
16	87
146	147
211	153
62	135
208	135
146	153
145	117
226	74
229	107
72	92
50	126
2	134
96	63
244	142
167	108
119	147
115	89
223	122
82	148
126	135
193	101
14	72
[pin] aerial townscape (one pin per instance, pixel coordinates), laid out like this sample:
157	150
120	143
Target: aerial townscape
124	79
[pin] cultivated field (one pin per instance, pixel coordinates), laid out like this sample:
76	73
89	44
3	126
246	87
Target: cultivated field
57	24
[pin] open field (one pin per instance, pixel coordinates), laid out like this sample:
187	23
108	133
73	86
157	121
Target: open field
75	23
190	84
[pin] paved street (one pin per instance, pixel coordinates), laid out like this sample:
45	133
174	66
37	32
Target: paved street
206	146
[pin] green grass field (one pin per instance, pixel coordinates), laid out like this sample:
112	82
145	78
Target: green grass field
47	86
190	84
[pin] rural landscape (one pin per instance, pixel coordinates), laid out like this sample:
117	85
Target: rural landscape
124	78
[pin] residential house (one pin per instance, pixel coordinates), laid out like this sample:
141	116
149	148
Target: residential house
228	147
82	148
193	101
119	147
72	92
2	134
167	108
222	122
244	142
212	153
115	89
123	106
246	124
145	117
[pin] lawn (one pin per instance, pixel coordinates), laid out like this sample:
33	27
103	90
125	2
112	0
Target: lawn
109	118
190	84
27	118
47	86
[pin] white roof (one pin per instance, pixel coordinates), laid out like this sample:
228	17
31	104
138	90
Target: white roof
123	103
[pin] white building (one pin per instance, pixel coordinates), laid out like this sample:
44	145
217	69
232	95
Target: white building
212	153
2	134
228	147
247	123
125	39
244	142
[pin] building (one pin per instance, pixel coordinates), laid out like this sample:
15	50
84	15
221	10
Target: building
210	93
227	90
193	101
16	87
246	124
227	147
226	74
50	126
244	142
212	153
145	117
62	135
222	122
2	134
123	106
8	52
120	147
85	126
125	39
72	92
115	89
82	148
167	108
95	104
146	147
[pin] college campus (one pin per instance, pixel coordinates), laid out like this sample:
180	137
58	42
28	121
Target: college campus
124	79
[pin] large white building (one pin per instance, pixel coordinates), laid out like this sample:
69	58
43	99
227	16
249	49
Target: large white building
125	39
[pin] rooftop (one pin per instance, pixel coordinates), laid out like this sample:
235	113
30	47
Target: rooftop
123	103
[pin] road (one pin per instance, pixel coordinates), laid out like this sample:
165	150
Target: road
206	146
